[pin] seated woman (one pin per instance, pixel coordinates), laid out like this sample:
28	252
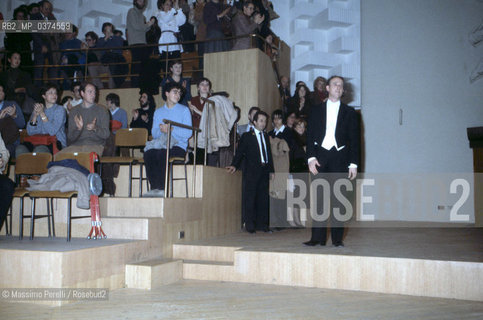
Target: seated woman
169	19
155	159
47	118
175	75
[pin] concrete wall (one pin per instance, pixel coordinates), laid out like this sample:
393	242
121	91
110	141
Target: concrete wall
416	57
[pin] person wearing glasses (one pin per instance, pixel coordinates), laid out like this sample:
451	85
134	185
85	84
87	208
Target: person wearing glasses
155	159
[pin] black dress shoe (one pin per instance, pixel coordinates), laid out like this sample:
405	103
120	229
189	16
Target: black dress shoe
338	244
251	231
311	243
322	243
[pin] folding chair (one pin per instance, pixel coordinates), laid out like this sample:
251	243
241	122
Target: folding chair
30	164
132	138
83	159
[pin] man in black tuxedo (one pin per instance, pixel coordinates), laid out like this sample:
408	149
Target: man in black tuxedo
254	148
333	143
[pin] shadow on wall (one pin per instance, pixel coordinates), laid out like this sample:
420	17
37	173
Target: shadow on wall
348	95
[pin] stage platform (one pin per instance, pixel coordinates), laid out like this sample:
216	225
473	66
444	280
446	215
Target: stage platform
433	262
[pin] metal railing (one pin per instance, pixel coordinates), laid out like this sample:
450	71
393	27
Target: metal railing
85	51
168	147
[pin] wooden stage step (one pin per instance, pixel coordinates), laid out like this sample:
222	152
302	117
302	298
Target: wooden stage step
154	273
434	270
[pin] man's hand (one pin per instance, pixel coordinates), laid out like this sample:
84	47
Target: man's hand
91	126
163	128
352	173
230	169
3	113
45	49
135	115
313	166
69	105
12	111
79	122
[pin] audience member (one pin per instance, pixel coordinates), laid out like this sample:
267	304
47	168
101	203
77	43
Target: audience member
319	95
153	35
254	150
113	57
76	100
11	120
284	88
298	162
290	119
186	30
176	75
88	126
300	102
20	41
244	24
197	103
7	187
45	44
48	118
71	57
249	126
94	67
213	13
18	84
117	114
155	159
33	9
142	117
279	129
136	38
169	19
196	19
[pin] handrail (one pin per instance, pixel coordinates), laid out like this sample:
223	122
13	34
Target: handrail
86	50
168	147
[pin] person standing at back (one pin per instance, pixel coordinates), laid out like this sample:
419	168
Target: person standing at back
136	38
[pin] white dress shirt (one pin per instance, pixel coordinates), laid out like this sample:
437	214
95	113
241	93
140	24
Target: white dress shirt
257	134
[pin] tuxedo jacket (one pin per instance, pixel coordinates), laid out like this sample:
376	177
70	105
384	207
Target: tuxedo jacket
347	132
249	151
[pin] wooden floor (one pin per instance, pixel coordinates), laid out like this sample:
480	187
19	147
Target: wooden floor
217	300
448	244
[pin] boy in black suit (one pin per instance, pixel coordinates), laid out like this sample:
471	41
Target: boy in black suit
254	147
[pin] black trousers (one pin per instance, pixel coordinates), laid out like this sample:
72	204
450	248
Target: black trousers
335	164
256	199
7	187
140	56
155	162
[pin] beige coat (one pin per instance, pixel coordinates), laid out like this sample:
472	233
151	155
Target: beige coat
5	155
281	166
